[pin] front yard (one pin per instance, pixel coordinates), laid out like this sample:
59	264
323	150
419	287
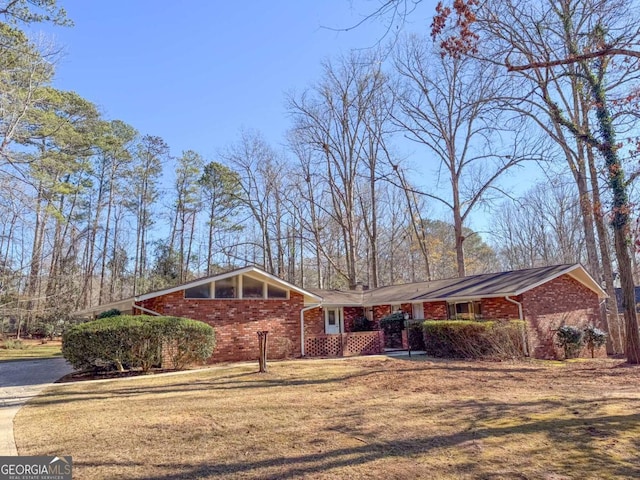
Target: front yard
29	350
359	418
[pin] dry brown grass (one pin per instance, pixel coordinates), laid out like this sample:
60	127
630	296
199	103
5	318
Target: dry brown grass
32	350
361	418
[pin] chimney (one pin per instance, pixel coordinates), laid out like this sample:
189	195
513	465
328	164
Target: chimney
359	287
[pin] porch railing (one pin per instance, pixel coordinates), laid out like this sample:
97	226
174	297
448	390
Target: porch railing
344	344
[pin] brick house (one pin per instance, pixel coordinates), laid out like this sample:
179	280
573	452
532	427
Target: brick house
310	322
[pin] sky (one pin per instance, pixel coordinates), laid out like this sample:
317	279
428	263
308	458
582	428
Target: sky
196	72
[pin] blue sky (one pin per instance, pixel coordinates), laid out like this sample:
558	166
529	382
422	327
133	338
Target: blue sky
195	72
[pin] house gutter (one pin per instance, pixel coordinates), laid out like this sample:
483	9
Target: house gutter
305	309
146	310
525	343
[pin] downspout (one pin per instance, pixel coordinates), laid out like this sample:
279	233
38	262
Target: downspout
305	309
525	343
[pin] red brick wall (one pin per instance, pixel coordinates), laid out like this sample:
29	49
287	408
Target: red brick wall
314	322
380	311
350	314
435	310
563	301
237	321
499	309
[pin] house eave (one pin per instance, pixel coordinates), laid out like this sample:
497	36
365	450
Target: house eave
232	273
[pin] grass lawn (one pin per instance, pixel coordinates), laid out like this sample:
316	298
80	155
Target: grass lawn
33	350
359	418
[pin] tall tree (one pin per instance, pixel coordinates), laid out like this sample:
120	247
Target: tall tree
114	158
542	227
220	196
578	40
450	105
187	204
150	155
259	169
343	120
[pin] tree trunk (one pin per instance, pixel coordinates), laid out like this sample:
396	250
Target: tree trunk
620	221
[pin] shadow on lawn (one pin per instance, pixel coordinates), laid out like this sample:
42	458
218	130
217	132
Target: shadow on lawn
254	380
581	436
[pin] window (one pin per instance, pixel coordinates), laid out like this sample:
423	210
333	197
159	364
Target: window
199	291
226	288
465	310
276	292
252	288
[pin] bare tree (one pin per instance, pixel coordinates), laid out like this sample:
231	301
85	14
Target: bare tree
343	121
450	106
543	227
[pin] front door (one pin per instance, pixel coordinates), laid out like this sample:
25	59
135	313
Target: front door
418	311
332	321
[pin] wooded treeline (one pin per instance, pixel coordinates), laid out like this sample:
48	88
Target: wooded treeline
88	214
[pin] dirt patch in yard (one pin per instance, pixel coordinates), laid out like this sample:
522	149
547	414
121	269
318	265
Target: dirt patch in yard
359	418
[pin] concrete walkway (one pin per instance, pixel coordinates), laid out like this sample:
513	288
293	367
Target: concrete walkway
20	381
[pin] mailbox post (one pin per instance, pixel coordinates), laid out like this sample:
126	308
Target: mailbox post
262	344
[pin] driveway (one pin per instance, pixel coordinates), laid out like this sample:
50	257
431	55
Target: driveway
20	381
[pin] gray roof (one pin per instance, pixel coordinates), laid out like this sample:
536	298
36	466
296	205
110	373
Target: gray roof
486	285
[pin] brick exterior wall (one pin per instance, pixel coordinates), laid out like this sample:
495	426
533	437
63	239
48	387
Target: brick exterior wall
237	321
435	311
314	322
547	307
499	309
380	311
350	314
562	301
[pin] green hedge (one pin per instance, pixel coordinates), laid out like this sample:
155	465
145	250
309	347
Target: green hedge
137	341
415	335
474	339
393	325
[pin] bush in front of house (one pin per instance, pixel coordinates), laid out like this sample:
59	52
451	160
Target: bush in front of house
570	339
392	325
114	312
474	339
415	335
593	338
187	341
362	324
137	341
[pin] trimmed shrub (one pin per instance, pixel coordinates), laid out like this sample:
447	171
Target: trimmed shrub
362	324
415	335
114	312
137	342
187	341
393	325
593	338
474	339
570	339
102	344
